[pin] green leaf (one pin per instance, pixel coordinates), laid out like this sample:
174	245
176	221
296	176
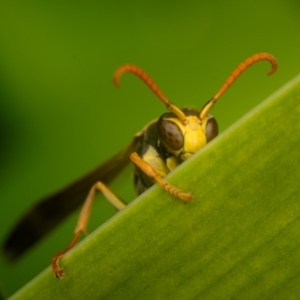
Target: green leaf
239	238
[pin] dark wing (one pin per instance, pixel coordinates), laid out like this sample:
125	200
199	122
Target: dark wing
50	211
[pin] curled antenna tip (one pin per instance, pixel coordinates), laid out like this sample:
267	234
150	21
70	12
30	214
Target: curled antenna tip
273	70
273	62
116	80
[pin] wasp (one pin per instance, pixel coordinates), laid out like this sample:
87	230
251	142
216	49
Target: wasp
155	151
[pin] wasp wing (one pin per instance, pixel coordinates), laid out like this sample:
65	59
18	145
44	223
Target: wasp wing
50	211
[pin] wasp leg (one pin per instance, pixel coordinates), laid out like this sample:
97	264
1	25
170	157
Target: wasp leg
153	174
83	221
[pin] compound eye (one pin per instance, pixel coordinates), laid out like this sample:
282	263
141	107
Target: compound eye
170	134
211	129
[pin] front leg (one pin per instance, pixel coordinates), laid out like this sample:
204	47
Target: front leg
154	175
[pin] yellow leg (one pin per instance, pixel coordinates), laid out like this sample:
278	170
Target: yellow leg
152	173
83	221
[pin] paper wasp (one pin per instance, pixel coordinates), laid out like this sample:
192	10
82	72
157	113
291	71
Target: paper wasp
155	151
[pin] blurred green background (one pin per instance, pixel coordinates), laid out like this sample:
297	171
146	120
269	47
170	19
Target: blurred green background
61	116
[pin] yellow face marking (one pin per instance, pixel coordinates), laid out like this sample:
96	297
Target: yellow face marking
193	136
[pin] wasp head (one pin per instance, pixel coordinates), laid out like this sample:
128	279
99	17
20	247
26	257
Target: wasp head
184	139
